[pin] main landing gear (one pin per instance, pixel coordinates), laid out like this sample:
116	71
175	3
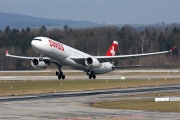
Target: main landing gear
60	75
91	75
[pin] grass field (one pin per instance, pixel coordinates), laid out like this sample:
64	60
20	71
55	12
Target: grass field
140	105
146	104
18	87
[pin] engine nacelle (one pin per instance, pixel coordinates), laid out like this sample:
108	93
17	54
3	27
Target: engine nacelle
92	62
38	63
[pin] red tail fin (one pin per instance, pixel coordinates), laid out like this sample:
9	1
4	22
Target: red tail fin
112	49
7	53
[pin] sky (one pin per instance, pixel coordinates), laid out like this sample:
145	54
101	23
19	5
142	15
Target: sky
98	11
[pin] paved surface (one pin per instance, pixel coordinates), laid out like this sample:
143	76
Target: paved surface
76	106
85	77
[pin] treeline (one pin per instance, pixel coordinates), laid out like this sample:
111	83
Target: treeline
96	41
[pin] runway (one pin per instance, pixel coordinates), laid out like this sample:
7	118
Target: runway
86	77
77	105
117	75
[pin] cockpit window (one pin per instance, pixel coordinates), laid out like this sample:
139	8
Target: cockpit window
38	39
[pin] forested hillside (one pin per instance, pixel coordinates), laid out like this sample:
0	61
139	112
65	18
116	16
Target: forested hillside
96	41
19	21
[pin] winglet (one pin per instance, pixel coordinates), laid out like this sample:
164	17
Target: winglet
7	53
172	49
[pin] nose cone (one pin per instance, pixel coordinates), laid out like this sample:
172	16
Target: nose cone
36	45
33	42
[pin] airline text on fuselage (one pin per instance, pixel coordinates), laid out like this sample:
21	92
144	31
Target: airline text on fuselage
56	45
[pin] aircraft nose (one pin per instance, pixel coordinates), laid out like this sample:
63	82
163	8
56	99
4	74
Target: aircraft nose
33	43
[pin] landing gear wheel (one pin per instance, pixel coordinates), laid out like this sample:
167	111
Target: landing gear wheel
57	73
63	77
60	75
90	76
94	76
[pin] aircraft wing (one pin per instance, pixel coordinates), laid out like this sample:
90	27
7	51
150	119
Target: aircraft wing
132	55
81	60
24	57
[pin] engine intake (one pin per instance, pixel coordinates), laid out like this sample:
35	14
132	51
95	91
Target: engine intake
92	62
38	63
89	61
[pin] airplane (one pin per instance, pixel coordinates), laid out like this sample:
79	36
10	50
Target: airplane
63	55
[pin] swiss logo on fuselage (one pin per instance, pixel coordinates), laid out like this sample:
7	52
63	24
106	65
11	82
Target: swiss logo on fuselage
56	45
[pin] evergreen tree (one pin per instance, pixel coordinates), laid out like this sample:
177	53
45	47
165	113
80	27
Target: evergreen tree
43	31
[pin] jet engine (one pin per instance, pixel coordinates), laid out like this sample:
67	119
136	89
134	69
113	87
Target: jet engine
38	63
92	62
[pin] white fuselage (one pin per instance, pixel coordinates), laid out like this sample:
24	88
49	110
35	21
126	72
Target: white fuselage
63	54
